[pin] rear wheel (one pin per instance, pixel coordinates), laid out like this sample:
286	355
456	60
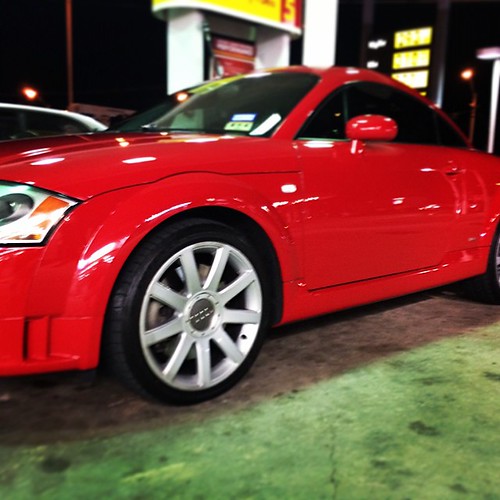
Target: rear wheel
188	314
486	287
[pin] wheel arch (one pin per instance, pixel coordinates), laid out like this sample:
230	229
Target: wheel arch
89	250
179	338
245	224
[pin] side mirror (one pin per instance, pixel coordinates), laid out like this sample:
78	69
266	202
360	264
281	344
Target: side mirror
371	128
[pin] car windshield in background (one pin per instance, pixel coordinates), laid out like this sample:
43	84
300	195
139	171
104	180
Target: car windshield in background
246	105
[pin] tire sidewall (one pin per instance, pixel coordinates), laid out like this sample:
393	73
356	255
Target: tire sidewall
492	274
140	271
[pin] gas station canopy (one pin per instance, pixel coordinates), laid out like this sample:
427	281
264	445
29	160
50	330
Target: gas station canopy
285	15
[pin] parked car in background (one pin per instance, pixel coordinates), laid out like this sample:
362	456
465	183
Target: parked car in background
172	245
19	121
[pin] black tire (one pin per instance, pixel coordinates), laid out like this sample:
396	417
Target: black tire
486	287
188	313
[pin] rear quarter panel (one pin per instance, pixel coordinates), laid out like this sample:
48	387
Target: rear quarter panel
482	192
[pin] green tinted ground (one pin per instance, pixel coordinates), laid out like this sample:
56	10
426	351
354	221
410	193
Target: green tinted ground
419	425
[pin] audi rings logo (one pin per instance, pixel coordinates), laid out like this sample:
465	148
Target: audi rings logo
201	314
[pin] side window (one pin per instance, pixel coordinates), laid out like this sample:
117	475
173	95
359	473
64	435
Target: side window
50	124
416	121
328	121
12	124
448	136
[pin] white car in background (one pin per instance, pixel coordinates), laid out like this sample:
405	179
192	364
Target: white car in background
19	121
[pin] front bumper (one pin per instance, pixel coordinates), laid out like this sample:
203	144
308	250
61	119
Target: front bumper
40	345
33	340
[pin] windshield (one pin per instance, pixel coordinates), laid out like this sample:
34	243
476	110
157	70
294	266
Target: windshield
252	104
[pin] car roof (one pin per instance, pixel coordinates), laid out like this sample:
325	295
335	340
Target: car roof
84	119
339	74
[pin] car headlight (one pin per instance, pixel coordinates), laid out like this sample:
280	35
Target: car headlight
28	214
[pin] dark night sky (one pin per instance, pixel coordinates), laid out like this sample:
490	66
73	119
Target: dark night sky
119	49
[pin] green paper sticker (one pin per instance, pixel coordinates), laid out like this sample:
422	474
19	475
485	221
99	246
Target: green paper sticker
239	126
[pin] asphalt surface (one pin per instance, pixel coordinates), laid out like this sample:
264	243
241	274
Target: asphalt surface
296	370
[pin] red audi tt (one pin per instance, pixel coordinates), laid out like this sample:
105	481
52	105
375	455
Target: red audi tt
170	245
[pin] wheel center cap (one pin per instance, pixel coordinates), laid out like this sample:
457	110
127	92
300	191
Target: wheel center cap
201	315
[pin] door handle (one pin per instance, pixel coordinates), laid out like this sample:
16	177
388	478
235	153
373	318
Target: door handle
451	170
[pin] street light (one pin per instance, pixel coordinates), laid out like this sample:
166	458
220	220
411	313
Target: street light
492	54
30	93
468	76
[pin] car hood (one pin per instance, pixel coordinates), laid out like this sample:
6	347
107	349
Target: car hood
87	165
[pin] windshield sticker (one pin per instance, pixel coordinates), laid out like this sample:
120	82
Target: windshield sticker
241	122
243	117
239	126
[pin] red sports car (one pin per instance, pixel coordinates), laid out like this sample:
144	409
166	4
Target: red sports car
172	245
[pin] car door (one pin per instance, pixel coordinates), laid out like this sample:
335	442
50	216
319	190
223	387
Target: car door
379	208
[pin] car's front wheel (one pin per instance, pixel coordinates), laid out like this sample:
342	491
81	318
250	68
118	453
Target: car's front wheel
188	314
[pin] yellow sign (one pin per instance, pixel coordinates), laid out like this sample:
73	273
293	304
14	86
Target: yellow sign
413	38
414	79
282	14
411	59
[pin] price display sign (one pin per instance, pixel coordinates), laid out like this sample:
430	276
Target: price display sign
412	38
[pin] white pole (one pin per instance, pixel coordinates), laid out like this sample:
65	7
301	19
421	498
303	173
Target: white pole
495	82
185	49
320	32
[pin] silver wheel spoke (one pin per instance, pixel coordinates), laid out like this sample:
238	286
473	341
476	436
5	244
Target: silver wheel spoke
230	349
190	270
178	357
204	367
237	286
163	332
184	311
167	296
217	269
240	316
